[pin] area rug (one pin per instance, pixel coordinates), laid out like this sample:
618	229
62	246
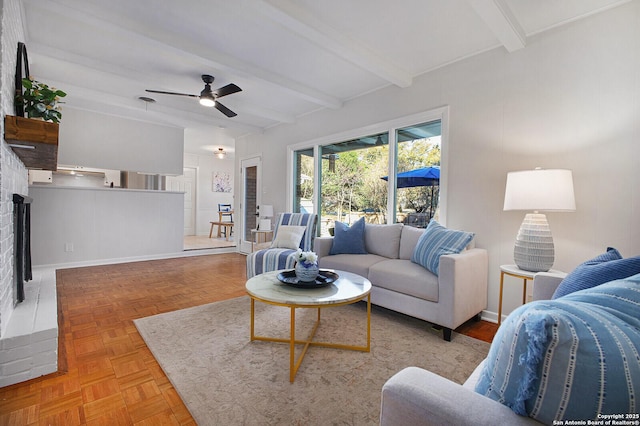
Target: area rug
224	379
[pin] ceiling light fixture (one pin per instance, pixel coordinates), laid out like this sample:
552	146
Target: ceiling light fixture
206	97
147	100
220	154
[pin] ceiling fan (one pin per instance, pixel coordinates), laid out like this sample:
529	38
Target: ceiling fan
208	97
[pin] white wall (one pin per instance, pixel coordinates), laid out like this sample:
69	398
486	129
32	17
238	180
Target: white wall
91	139
13	174
206	199
569	99
71	225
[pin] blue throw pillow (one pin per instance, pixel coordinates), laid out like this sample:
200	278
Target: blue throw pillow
436	241
348	239
573	358
607	267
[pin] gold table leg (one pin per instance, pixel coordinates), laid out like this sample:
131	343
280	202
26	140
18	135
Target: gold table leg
500	303
294	364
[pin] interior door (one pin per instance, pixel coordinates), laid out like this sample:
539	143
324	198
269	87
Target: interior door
251	190
187	184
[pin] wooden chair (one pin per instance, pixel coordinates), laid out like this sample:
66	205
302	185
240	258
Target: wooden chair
225	221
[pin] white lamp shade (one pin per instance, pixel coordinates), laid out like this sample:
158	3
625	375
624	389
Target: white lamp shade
540	190
266	210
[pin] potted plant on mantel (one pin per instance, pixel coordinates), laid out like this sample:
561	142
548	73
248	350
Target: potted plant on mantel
40	101
35	138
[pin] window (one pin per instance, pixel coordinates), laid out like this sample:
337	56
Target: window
351	185
303	166
345	177
418	173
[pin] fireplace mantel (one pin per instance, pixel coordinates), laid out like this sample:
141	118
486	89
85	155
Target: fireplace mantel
35	142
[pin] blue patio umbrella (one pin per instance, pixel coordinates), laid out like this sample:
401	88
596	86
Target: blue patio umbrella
424	176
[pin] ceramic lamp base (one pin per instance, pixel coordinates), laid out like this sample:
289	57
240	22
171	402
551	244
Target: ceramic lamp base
534	249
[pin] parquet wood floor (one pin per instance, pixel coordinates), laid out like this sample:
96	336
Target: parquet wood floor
107	374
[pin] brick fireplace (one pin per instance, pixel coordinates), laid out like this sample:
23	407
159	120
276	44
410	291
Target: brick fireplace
28	330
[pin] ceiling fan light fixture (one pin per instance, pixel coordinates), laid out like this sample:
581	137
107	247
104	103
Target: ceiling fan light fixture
208	97
207	101
221	154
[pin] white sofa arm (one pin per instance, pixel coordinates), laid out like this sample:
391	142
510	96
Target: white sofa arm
545	284
417	397
322	246
463	286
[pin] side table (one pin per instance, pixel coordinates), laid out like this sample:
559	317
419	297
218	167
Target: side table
514	271
258	236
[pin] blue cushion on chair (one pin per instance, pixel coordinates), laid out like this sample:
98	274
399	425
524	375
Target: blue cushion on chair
571	358
348	239
607	267
436	241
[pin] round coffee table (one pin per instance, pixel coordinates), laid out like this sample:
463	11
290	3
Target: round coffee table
347	289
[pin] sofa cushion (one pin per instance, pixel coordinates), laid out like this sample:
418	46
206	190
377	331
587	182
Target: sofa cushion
571	358
383	240
404	276
357	264
288	237
348	239
436	241
409	240
607	267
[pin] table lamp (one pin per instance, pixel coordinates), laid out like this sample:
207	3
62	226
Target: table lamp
537	190
266	213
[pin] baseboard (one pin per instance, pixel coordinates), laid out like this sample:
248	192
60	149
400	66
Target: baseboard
99	262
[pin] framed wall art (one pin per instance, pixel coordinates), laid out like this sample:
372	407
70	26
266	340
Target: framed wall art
221	182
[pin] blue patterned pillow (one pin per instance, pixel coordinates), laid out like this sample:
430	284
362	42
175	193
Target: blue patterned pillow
436	241
570	358
348	239
607	267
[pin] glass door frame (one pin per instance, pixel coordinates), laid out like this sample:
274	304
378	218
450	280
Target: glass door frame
244	246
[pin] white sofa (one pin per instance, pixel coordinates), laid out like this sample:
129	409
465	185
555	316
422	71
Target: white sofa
418	397
448	300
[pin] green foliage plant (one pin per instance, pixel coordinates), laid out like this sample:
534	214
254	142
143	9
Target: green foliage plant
40	100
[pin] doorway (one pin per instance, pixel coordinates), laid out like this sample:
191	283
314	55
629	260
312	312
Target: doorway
251	199
187	184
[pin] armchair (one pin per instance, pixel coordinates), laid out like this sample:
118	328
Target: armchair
551	360
273	259
419	397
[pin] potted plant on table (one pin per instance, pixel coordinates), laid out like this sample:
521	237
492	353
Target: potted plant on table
306	266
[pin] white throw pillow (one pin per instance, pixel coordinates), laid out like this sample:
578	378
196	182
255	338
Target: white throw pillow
288	237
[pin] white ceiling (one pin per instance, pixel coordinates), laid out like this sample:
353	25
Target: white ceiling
290	57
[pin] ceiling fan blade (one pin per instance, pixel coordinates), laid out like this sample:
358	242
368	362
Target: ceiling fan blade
171	93
227	90
223	109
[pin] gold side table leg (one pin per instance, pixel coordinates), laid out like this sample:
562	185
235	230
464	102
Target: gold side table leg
292	346
524	291
253	310
369	323
500	303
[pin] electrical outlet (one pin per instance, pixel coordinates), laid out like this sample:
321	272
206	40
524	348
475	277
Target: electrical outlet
68	247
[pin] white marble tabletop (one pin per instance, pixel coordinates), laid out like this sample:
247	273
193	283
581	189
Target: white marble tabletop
348	288
514	270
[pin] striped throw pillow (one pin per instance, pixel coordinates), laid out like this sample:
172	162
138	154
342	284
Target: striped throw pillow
572	358
607	267
436	241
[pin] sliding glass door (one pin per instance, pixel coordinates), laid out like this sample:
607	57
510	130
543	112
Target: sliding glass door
387	176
